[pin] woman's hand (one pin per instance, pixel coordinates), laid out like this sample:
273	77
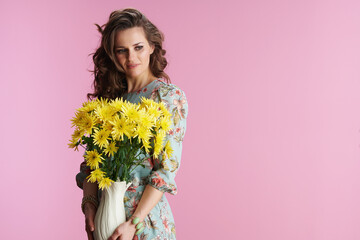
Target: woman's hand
124	231
90	212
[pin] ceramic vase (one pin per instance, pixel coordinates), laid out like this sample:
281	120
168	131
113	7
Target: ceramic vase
111	212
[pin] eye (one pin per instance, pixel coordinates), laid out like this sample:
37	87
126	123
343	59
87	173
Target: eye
120	51
124	50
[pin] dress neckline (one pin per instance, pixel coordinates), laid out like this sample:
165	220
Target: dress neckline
146	86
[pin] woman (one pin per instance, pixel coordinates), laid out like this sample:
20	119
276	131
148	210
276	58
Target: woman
130	63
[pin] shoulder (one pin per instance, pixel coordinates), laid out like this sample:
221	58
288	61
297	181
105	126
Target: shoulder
165	88
171	95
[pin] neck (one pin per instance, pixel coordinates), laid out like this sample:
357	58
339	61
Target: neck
135	84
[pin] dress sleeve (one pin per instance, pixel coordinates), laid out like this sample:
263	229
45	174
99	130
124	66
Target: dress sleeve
165	169
84	172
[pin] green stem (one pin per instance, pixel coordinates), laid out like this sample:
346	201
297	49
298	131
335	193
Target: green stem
140	161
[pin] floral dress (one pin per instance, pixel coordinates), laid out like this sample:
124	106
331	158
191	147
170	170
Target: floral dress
159	223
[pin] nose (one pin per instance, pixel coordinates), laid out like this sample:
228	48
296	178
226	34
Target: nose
131	56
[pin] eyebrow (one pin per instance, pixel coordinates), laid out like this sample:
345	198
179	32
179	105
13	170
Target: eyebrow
133	45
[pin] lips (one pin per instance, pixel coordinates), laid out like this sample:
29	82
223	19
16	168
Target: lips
132	65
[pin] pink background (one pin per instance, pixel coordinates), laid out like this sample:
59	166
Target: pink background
272	145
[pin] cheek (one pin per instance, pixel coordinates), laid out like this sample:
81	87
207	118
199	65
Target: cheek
121	60
145	56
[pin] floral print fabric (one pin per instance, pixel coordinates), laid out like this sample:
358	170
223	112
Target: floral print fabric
159	173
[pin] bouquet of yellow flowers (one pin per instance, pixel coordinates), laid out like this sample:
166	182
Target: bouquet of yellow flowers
116	133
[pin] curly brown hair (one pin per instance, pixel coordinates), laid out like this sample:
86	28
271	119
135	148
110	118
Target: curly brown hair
109	77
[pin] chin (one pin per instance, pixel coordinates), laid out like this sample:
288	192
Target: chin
133	75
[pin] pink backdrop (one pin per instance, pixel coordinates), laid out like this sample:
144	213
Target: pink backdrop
272	145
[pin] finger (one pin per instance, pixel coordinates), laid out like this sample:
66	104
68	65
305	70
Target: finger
89	221
140	230
91	224
90	235
89	227
114	236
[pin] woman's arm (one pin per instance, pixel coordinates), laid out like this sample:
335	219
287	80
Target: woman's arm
150	197
90	188
89	209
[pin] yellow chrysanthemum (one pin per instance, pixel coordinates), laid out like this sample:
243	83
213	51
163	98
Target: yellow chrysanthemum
158	146
165	123
132	128
88	106
117	103
158	124
107	126
147	146
78	119
93	159
77	134
96	175
111	149
105	113
74	144
130	111
101	137
144	134
168	150
102	101
146	120
120	127
164	110
157	149
154	111
147	103
142	106
105	183
88	124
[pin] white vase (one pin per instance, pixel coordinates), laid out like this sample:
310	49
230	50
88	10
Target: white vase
111	212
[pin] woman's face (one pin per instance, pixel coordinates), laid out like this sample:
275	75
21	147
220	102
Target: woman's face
133	51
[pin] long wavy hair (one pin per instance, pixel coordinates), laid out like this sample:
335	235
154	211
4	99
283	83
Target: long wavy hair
109	77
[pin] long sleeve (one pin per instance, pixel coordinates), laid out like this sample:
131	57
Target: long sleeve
165	169
84	172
